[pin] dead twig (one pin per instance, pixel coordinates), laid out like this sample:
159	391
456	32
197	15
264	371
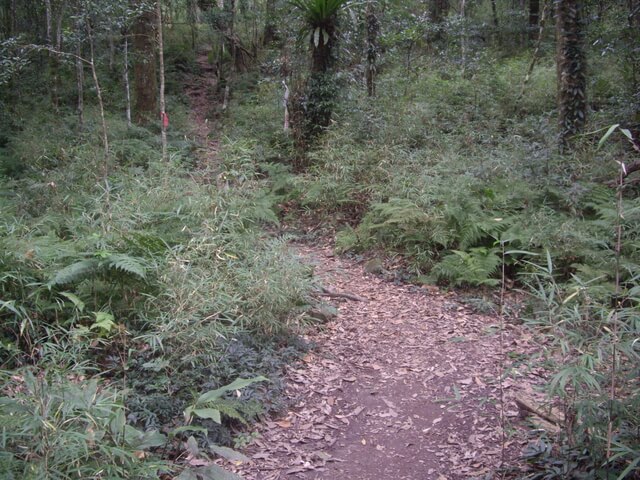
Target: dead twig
325	292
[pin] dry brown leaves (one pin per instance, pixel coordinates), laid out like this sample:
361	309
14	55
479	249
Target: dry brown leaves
403	385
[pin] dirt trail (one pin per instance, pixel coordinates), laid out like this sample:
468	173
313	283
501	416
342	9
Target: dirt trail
201	89
403	385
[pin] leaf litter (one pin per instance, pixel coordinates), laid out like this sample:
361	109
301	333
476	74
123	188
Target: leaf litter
403	384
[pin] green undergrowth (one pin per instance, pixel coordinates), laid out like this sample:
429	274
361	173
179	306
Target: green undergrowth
442	168
126	296
459	175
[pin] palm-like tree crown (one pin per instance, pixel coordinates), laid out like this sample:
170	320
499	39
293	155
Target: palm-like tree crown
318	12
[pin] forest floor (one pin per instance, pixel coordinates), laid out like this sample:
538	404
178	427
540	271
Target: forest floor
403	381
403	384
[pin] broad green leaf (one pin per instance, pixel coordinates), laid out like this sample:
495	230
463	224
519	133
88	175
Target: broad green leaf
214	472
210	413
140	440
604	138
235	385
192	446
104	321
627	133
79	304
229	453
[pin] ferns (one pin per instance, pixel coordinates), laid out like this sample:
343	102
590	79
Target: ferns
131	267
75	272
475	267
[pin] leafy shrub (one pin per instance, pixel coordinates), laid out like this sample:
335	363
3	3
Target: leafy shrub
54	426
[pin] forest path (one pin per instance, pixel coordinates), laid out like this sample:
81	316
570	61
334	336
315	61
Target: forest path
201	88
402	384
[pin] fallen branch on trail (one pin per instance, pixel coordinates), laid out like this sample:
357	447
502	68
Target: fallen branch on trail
325	292
526	404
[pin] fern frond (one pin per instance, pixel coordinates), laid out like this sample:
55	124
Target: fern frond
75	272
127	264
230	408
474	267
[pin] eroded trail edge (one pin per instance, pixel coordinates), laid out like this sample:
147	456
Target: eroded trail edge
403	384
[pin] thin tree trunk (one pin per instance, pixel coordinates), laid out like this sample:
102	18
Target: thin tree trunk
192	18
127	87
270	31
232	37
144	68
13	19
285	103
494	13
163	111
112	53
80	80
56	58
571	65
633	19
48	19
463	36
94	73
534	18
373	29
51	56
536	52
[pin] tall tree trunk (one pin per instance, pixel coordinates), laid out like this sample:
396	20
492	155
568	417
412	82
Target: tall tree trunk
322	42
571	66
112	52
13	19
79	78
463	34
633	57
438	11
230	42
373	29
534	18
94	74
144	67
270	30
125	75
494	13
53	63
192	19
164	119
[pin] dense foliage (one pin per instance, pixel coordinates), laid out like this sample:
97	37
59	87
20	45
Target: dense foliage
136	291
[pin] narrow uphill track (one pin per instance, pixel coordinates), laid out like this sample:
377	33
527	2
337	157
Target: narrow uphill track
201	88
402	385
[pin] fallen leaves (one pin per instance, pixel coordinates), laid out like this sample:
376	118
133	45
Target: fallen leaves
404	385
